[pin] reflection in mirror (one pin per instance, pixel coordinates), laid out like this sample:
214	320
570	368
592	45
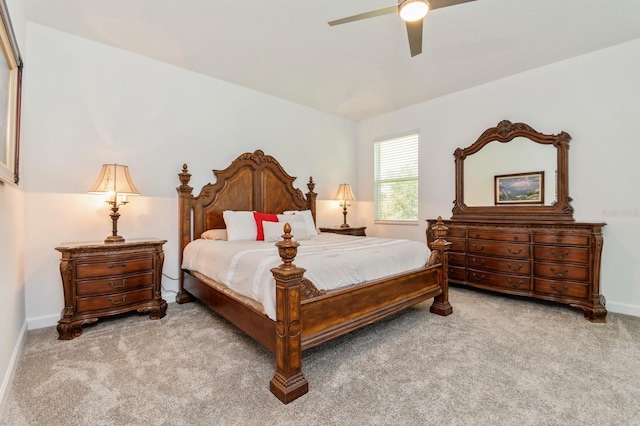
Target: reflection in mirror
520	155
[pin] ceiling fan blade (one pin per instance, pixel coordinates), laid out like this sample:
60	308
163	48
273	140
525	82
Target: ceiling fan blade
366	15
414	31
437	4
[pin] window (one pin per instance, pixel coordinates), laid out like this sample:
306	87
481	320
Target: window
396	179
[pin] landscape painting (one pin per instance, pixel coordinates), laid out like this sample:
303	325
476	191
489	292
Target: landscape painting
520	188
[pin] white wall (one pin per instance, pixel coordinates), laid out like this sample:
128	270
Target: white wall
592	97
12	303
88	104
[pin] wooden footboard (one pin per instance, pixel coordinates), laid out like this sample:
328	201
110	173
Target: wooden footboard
301	324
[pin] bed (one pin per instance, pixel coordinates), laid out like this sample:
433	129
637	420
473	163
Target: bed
305	315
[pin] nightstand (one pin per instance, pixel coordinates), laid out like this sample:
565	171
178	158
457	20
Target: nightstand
356	232
106	279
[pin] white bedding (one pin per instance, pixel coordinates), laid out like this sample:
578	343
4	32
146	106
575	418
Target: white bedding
330	260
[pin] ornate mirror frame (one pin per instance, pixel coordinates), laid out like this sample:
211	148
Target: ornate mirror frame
504	132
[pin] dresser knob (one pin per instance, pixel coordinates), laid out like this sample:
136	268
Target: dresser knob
113	285
560	290
515	285
559	256
475	247
559	274
478	278
476	262
122	265
511	251
514	268
118	302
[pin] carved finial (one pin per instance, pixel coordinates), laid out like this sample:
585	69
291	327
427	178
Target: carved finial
287	248
185	176
311	185
439	230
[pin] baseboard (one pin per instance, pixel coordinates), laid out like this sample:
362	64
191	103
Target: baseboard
42	322
11	369
623	308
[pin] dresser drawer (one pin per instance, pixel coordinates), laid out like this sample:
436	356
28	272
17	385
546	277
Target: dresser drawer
511	266
457	274
114	267
488	248
498	236
561	288
513	282
115	284
561	254
575	240
118	300
456	232
561	271
456	259
457	245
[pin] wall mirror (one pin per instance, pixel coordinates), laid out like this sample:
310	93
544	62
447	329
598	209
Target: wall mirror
513	172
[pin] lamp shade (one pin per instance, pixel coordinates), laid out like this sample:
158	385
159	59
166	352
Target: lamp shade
345	193
413	10
114	179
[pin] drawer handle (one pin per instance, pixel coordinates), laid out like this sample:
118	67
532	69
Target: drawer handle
514	268
559	274
559	256
475	247
116	285
450	271
478	278
118	302
515	285
561	291
511	251
476	262
123	265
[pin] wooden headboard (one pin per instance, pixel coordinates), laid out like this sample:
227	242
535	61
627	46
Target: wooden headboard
253	181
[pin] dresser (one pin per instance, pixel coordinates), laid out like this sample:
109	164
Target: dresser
356	232
101	279
512	232
558	262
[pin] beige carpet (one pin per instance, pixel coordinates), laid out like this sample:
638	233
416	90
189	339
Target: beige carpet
496	361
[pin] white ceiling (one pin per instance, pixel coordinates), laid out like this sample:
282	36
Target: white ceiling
358	70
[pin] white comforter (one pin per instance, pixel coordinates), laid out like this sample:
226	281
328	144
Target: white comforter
330	260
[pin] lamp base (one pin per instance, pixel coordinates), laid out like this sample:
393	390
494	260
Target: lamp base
113	239
345	225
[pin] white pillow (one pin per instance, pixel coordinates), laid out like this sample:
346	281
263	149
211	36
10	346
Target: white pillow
215	234
308	218
240	225
273	231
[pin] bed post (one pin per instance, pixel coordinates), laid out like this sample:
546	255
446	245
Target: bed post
288	382
441	305
184	227
311	197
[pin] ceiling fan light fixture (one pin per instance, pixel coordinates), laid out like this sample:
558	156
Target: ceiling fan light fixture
413	10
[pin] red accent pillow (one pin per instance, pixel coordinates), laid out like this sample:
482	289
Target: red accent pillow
261	217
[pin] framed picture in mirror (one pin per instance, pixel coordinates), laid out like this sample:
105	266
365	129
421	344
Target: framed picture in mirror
519	188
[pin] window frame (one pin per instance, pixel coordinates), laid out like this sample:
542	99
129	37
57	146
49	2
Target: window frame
413	136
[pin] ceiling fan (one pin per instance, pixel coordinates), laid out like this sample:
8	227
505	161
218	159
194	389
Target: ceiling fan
410	11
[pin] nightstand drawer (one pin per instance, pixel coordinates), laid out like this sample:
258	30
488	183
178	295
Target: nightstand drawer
114	284
118	300
117	266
